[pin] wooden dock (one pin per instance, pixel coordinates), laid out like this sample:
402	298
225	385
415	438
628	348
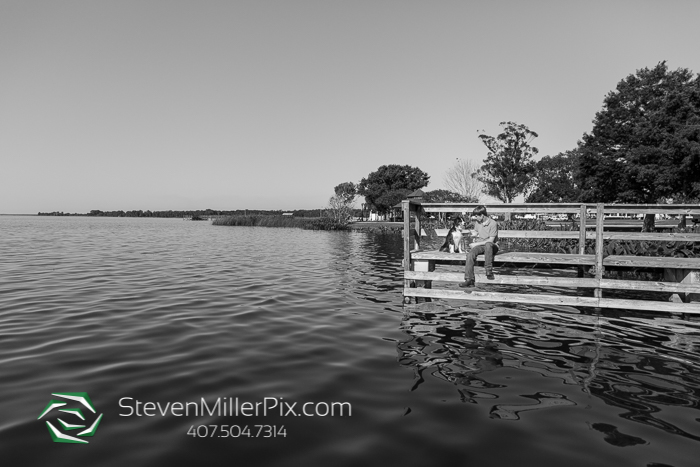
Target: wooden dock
681	276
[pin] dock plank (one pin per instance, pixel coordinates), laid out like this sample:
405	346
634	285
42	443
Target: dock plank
511	257
504	279
652	262
542	299
570	282
568	259
502	297
650	305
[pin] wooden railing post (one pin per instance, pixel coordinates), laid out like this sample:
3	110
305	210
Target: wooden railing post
406	235
582	231
416	233
599	221
582	237
406	205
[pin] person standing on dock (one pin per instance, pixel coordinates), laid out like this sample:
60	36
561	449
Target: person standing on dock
486	233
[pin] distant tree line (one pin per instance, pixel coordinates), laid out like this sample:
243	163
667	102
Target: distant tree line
192	213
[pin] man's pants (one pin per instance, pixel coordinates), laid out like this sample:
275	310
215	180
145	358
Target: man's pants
488	250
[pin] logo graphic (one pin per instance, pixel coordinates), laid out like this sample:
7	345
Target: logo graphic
74	415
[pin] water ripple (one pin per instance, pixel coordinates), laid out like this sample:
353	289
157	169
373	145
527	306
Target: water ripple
164	310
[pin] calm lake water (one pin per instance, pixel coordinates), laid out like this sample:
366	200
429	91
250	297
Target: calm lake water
167	311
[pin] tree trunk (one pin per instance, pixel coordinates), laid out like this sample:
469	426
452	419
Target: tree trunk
648	225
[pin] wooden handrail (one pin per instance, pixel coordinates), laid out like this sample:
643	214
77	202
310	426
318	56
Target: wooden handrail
591	235
580	209
565	208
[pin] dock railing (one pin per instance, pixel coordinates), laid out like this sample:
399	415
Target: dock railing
681	275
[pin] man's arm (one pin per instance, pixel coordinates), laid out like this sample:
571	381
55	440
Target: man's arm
488	240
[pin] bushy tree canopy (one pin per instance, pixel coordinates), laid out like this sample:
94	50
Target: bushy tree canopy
446	196
554	179
389	184
645	142
507	169
346	191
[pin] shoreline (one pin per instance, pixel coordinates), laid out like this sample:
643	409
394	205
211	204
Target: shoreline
377	226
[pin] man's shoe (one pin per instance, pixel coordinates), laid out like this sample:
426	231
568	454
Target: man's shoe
467	284
490	276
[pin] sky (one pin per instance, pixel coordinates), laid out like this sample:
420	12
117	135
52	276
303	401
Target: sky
269	104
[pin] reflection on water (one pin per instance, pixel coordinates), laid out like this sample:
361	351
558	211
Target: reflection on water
642	372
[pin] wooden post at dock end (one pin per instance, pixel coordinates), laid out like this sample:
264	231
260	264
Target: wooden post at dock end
582	236
582	231
600	217
420	266
406	206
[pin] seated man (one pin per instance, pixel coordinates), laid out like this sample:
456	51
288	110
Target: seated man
486	233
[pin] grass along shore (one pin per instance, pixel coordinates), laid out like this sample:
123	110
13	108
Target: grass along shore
308	223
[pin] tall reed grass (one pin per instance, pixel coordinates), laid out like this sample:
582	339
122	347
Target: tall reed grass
308	223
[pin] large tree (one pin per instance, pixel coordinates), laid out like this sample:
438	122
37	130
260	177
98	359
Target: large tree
389	184
461	178
340	206
554	179
346	191
645	143
339	210
508	166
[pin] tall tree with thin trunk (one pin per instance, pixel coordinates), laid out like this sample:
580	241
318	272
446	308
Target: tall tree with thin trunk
508	166
461	179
